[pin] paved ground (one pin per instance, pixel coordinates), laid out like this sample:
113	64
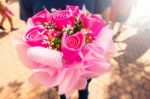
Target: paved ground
129	77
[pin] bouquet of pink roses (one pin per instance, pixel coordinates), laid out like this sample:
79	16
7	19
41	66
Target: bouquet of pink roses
65	48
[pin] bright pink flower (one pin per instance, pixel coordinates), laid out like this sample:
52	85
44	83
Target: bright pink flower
93	22
72	44
54	33
74	10
35	36
90	37
63	18
41	17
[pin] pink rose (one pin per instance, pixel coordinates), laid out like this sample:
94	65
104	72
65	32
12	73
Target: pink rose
93	22
72	44
35	36
74	10
41	17
63	18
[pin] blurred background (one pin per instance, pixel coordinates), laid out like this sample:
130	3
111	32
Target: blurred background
129	77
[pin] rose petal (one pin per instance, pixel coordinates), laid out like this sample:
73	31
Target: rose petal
71	45
93	22
62	18
35	36
41	17
74	9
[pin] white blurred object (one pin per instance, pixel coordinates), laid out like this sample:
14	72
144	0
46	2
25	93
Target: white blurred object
140	13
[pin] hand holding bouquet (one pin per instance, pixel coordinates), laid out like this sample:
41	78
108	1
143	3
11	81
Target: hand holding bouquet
65	48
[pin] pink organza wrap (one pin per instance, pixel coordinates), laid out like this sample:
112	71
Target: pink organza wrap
70	68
